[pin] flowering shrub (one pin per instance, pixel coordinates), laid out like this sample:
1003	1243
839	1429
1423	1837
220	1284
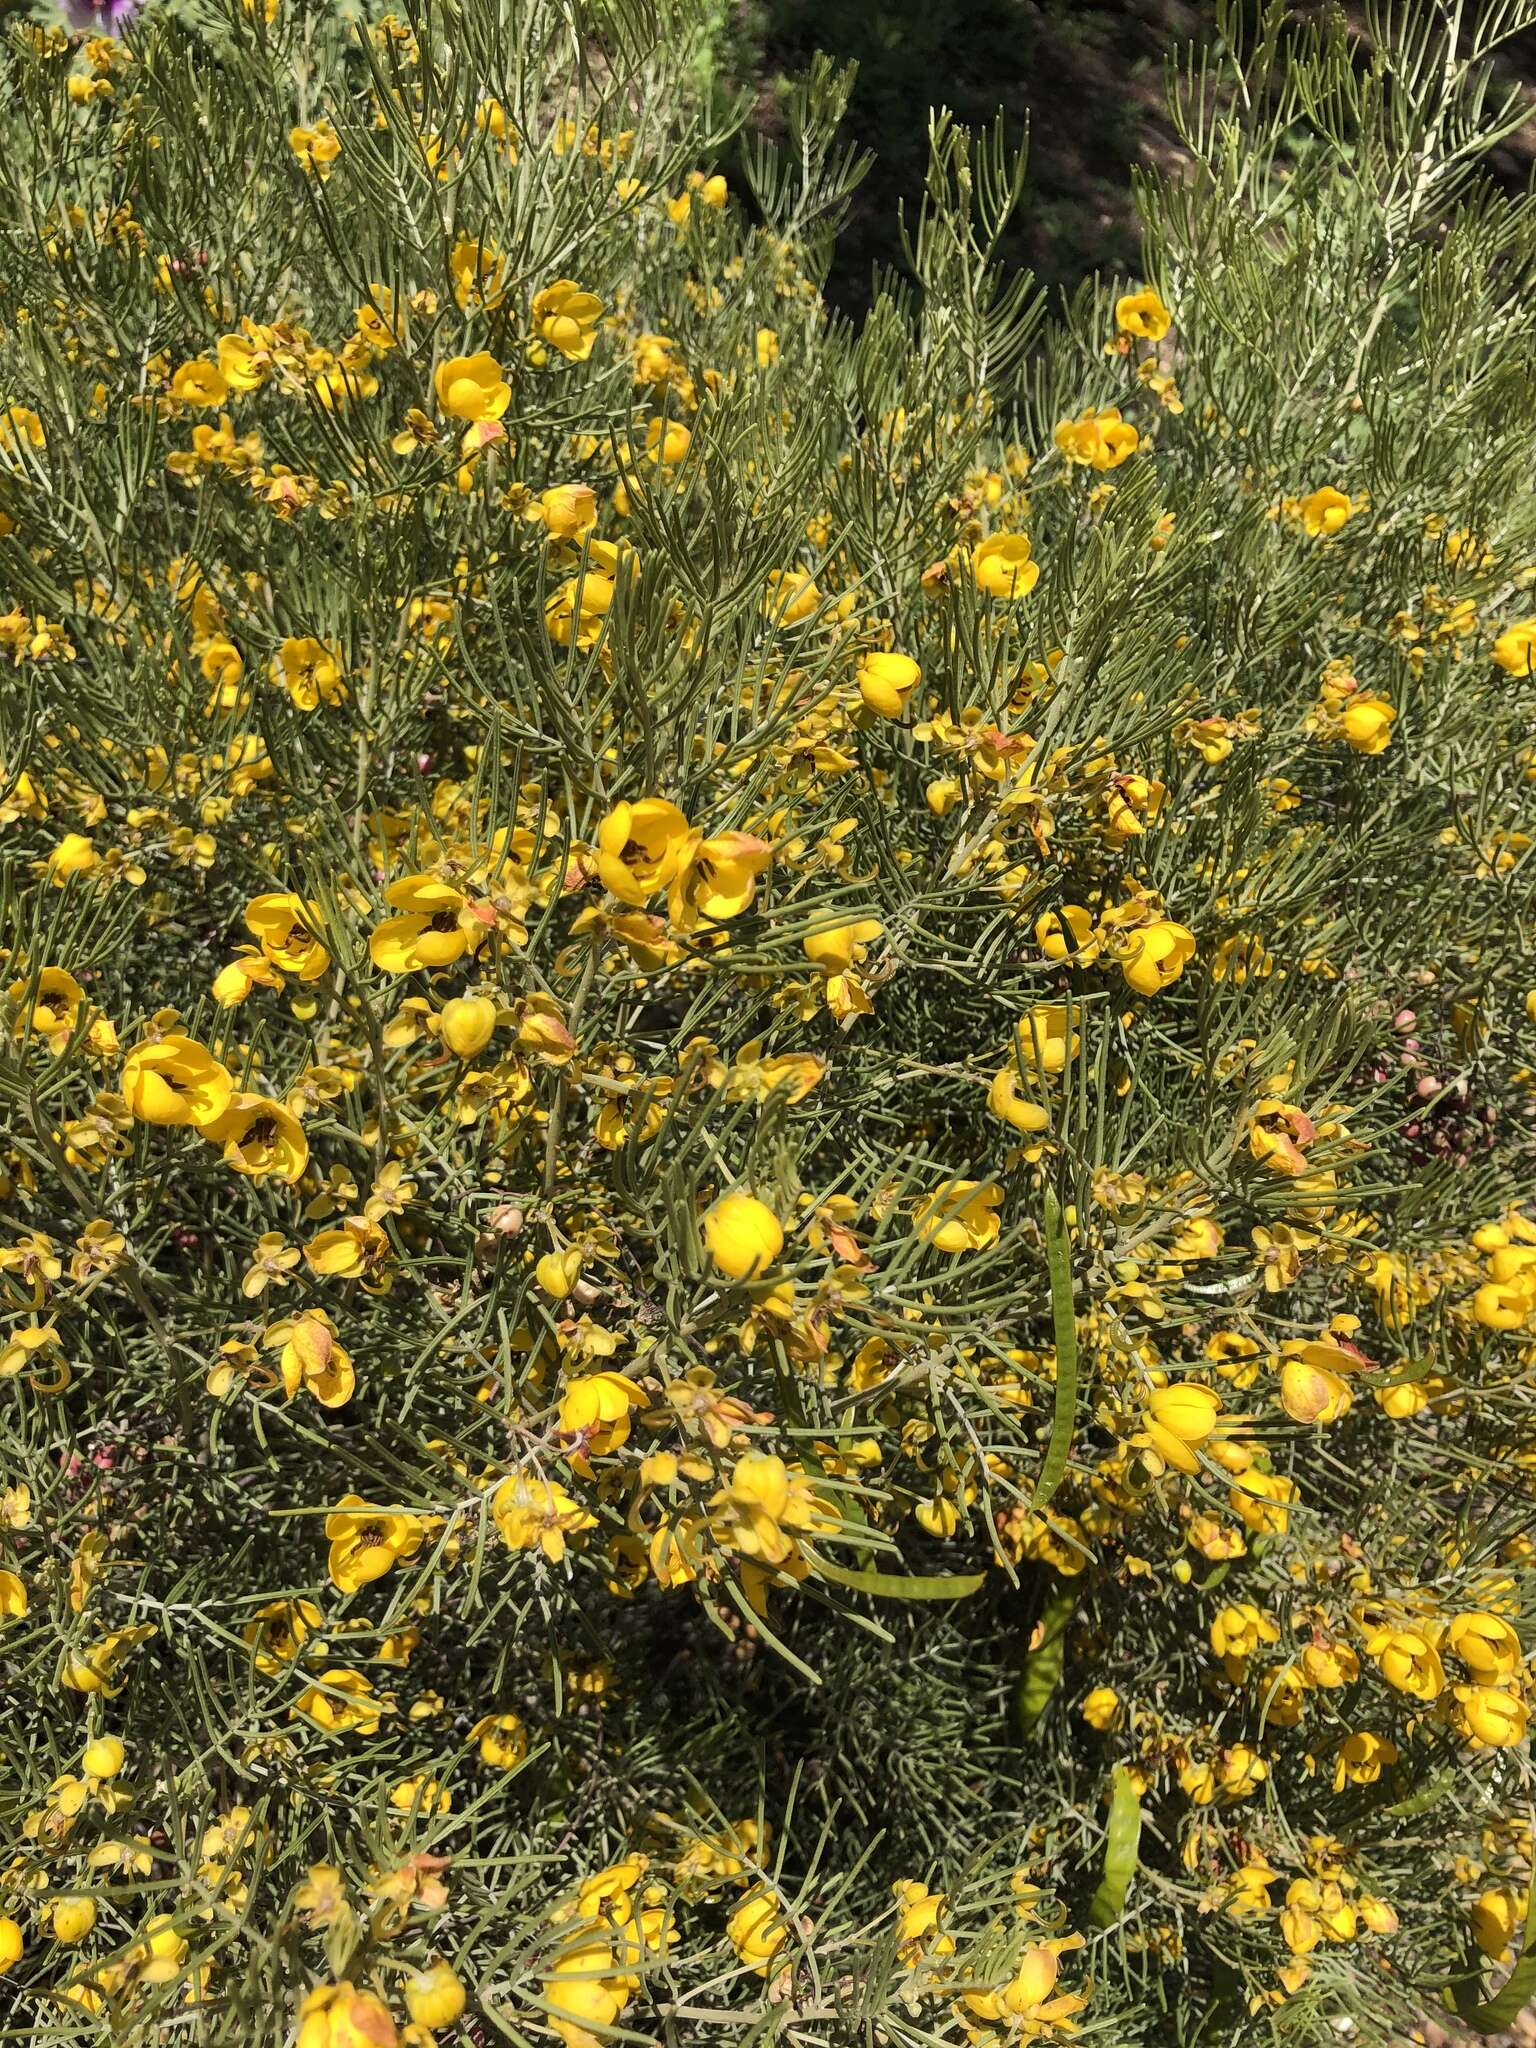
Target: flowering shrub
768	1270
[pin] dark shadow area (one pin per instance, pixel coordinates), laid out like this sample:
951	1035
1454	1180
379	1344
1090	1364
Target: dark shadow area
1086	76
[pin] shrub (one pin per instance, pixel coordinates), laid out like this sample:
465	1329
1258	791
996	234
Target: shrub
766	1082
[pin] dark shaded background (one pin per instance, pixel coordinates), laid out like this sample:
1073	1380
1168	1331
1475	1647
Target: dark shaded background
1086	75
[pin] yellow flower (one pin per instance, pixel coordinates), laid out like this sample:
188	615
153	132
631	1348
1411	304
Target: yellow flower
472	387
341	1701
434	1997
1408	1660
236	978
350	1251
1046	1038
278	1631
566	318
917	1921
556	1273
1004	1099
1246	1893
341	2016
503	1740
1361	1758
1178	1419
1143	314
1262	1500
103	1758
1488	1646
479	273
11	1943
1515	648
94	1669
1102	1709
367	1542
842	946
886	681
596	1408
960	1216
421	1794
72	1916
436	927
666	443
246	365
35	1344
757	1929
310	671
1313	1393
1002	566
1197	1781
1508	1300
536	1513
1239	1630
743	1235
1098	440
282	925
466	1025
1068	934
763	1501
310	1357
1024	2006
199	384
585	1992
1490	1717
1279	1134
1497	1914
568	511
1324	512
13	1597
577	610
73	855
375	320
174	1080
322	1897
791	597
20	426
53	1010
260	1138
717	878
317	148
1366	723
640	848
1153	956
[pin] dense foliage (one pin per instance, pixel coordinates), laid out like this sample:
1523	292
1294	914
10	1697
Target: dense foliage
767	1085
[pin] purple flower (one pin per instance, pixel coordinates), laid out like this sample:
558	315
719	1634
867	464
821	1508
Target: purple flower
100	17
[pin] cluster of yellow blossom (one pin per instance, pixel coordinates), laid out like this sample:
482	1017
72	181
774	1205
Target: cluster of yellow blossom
745	1073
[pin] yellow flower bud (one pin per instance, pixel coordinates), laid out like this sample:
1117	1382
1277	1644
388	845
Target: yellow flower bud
1310	1393
73	1917
466	1025
1495	1915
557	1272
103	1758
743	1235
434	1997
1102	1709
